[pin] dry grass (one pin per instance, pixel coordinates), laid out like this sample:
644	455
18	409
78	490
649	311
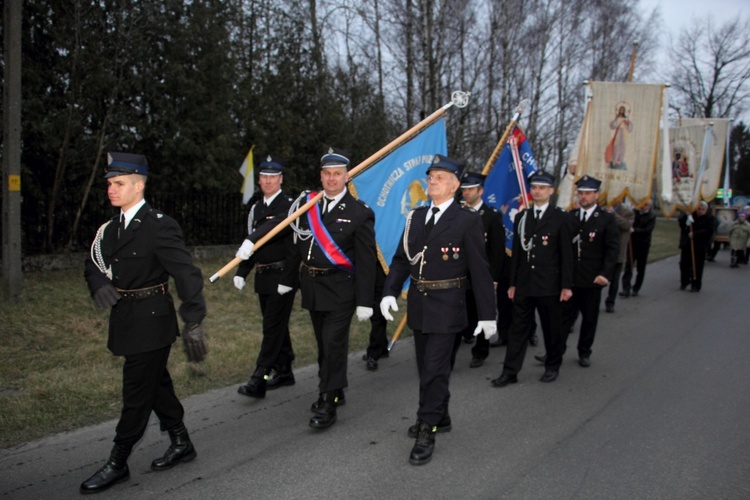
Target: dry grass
56	373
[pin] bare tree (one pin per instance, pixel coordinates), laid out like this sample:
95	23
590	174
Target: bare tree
710	69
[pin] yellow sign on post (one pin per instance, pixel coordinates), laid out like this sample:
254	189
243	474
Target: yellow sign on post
14	183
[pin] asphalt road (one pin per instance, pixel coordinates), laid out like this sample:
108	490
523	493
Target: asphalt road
663	412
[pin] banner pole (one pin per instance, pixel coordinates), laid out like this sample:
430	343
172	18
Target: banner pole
458	98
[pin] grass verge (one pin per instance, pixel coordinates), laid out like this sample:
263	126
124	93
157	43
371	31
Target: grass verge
56	373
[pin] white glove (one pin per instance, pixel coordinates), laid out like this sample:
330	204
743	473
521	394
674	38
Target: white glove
388	304
364	313
488	327
239	282
246	250
282	289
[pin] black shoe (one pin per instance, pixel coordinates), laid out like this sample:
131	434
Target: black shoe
443	426
499	343
610	308
626	293
325	415
256	386
682	287
424	446
281	377
542	359
504	380
533	340
339	401
549	376
635	293
584	361
114	471
181	450
695	290
372	364
476	362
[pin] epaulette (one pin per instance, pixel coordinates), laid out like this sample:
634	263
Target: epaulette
423	207
363	203
156	214
560	209
468	208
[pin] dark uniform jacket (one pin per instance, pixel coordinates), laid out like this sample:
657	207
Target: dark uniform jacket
454	249
643	226
703	230
494	239
279	250
147	253
547	267
596	246
351	224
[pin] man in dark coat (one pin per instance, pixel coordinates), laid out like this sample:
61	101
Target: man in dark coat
472	188
595	247
540	279
336	248
696	231
442	250
640	244
269	261
132	258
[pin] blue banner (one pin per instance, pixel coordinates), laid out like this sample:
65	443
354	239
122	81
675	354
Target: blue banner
398	183
501	188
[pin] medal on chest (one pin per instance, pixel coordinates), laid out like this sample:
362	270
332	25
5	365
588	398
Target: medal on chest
445	252
455	253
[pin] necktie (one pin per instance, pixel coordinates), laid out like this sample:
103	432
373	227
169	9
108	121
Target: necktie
326	203
538	215
583	216
121	227
431	223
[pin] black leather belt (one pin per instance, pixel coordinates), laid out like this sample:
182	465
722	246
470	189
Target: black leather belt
422	285
143	293
267	268
319	271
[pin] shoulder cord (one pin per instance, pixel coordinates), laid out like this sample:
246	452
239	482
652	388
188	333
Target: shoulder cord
404	242
527	246
96	251
302	234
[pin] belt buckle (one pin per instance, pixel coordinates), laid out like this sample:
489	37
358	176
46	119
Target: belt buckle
311	272
420	286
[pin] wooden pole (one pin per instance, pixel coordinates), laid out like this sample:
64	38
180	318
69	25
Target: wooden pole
632	62
458	98
397	334
501	143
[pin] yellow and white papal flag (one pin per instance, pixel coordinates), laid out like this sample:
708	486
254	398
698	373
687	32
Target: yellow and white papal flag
248	183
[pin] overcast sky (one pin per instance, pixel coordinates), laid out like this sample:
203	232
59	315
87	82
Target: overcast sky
678	13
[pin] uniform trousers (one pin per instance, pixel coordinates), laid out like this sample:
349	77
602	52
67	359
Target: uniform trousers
586	301
434	352
332	336
146	386
276	346
378	345
520	330
640	257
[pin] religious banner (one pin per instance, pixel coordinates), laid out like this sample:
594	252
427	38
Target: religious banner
696	152
618	141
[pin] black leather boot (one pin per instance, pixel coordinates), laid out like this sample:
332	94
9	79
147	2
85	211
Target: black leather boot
114	471
181	450
443	426
340	400
282	376
256	386
325	415
424	446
